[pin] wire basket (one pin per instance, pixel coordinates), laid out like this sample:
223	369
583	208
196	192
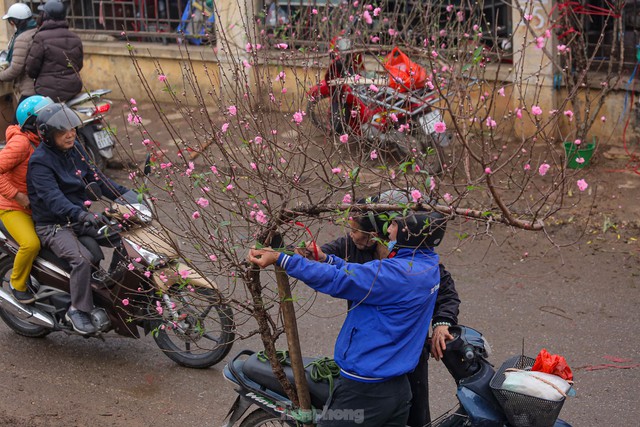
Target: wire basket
522	410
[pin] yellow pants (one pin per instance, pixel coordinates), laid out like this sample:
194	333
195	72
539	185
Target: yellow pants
20	226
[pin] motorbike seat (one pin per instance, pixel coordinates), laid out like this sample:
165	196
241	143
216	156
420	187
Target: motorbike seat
260	371
47	255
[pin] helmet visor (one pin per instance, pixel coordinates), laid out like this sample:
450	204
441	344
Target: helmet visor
63	120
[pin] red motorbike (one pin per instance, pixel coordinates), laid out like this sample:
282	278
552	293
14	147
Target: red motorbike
394	118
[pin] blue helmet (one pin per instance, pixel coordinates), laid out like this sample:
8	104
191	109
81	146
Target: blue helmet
30	107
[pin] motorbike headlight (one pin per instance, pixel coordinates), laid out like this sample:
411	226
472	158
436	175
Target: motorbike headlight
150	258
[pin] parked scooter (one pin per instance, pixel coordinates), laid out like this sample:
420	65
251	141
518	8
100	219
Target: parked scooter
184	312
465	358
94	134
343	103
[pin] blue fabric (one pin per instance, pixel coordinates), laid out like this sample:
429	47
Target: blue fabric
392	302
56	182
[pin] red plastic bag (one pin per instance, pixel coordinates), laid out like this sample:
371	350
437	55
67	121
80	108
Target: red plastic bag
552	364
405	74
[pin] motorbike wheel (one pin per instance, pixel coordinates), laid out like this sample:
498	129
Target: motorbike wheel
208	335
19	326
262	418
90	145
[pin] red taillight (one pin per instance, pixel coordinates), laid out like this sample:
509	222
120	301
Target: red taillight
103	108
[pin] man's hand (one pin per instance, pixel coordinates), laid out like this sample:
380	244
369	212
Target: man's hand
439	341
263	257
89	218
310	250
22	199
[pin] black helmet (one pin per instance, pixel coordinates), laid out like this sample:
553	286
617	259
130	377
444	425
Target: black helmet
420	229
55	118
54	10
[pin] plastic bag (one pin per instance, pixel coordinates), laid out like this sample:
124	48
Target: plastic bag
405	74
536	384
552	364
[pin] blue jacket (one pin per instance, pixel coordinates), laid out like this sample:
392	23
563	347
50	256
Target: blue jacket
56	182
392	302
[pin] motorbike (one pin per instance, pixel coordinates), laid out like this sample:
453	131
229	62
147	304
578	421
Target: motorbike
393	120
94	134
155	293
481	401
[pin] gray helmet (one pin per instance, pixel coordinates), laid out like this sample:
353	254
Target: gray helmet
54	10
55	118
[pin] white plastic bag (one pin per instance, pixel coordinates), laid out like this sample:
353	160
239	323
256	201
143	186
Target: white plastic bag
536	384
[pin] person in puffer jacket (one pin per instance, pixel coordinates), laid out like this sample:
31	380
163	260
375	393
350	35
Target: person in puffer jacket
15	212
19	15
381	340
56	56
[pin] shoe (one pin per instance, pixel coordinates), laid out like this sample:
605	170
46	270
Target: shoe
23	297
81	322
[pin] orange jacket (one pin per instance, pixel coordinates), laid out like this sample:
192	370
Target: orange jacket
14	159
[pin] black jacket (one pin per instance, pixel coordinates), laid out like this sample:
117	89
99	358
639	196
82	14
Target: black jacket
56	182
55	60
447	301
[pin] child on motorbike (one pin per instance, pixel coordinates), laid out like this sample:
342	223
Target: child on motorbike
395	295
15	212
57	179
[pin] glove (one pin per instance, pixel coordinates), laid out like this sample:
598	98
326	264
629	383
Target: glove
89	218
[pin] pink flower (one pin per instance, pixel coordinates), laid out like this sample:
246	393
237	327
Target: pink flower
374	39
569	114
344	138
603	118
336	170
434	54
536	110
229	187
449	7
233	110
298	116
488	171
213	257
87	203
162	78
147	273
195	215
579	160
373	88
540	41
392	32
184	273
394	117
527	167
125	302
132	101
416	195
246	63
347	198
203	202
373	155
261	217
491	123
214	170
577	142
582	184
253	166
376	11
543	169
501	91
447	197
248	47
225	127
282	45
519	113
460	16
367	17
131	267
528	17
440	127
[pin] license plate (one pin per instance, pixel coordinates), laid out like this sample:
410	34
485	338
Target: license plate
103	139
428	121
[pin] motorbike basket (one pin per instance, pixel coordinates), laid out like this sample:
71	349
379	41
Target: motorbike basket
522	410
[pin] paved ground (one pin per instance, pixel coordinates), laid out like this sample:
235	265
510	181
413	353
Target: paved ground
581	301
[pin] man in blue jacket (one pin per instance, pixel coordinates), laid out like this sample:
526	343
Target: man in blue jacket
59	171
392	302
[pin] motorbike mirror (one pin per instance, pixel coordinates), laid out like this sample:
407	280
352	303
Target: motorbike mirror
344	44
93	190
147	165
